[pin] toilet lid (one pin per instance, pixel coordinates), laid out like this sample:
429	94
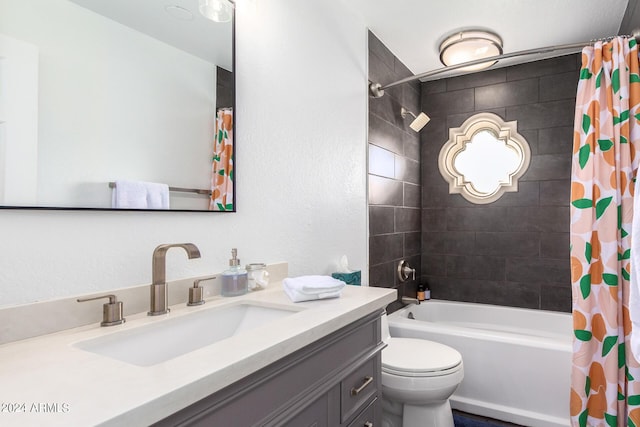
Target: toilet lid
415	357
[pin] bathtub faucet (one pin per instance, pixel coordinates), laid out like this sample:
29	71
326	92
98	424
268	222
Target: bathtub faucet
409	301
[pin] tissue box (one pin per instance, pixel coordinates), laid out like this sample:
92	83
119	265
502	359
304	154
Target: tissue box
352	278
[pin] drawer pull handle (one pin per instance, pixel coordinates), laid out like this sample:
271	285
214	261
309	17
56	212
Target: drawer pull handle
368	424
356	391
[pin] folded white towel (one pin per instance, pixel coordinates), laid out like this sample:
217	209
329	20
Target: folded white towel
140	195
309	288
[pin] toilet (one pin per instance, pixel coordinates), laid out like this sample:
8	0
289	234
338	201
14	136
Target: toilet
418	377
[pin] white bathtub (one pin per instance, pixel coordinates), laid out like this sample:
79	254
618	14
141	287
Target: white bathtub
517	362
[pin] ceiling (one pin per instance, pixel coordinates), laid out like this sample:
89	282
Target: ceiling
198	36
413	29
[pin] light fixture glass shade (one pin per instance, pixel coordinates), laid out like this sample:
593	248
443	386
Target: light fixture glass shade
468	46
216	10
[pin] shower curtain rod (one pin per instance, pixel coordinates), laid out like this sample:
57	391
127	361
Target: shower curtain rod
377	90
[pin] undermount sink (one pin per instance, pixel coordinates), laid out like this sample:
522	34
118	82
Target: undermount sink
167	338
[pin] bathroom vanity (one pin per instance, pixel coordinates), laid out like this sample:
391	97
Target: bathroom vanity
318	363
334	381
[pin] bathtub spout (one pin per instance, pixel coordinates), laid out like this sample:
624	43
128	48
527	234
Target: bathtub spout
409	301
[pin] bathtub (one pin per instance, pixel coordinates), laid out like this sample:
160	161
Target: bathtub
517	362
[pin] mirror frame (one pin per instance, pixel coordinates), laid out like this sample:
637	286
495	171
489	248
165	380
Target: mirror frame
507	132
234	155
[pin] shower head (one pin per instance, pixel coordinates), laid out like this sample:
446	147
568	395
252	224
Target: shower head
419	122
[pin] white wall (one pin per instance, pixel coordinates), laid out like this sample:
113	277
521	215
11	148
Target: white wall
301	173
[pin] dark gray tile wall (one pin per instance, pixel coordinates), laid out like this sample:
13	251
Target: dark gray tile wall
225	85
395	189
515	251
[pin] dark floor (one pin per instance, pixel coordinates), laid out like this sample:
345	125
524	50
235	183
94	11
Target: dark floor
462	419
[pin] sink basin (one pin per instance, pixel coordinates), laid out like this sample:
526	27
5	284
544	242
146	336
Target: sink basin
171	337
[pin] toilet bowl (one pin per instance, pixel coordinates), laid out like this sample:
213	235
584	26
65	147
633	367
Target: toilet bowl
418	377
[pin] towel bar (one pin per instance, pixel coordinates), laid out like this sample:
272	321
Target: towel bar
179	189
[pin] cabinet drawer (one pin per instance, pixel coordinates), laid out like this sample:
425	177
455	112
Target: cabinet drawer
367	418
358	388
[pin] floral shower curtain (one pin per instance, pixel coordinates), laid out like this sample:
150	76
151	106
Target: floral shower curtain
605	389
222	163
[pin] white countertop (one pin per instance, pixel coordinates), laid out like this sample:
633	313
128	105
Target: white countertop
47	381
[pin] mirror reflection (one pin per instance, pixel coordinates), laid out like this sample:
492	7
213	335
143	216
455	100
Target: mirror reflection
94	92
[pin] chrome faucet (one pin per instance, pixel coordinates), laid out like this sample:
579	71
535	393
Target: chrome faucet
159	292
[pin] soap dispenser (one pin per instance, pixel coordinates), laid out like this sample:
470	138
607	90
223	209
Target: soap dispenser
234	280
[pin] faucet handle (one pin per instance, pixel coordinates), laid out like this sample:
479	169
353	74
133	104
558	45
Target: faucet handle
195	292
111	311
404	271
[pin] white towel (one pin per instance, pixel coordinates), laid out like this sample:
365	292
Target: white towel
140	195
309	288
634	296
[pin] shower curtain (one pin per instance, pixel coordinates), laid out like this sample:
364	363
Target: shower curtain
605	385
222	163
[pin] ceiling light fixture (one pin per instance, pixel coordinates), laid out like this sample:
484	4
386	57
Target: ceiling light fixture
216	10
470	45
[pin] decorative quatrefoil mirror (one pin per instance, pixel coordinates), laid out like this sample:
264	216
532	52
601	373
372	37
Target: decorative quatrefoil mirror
484	158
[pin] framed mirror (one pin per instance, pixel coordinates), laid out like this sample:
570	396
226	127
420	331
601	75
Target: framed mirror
484	158
99	92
